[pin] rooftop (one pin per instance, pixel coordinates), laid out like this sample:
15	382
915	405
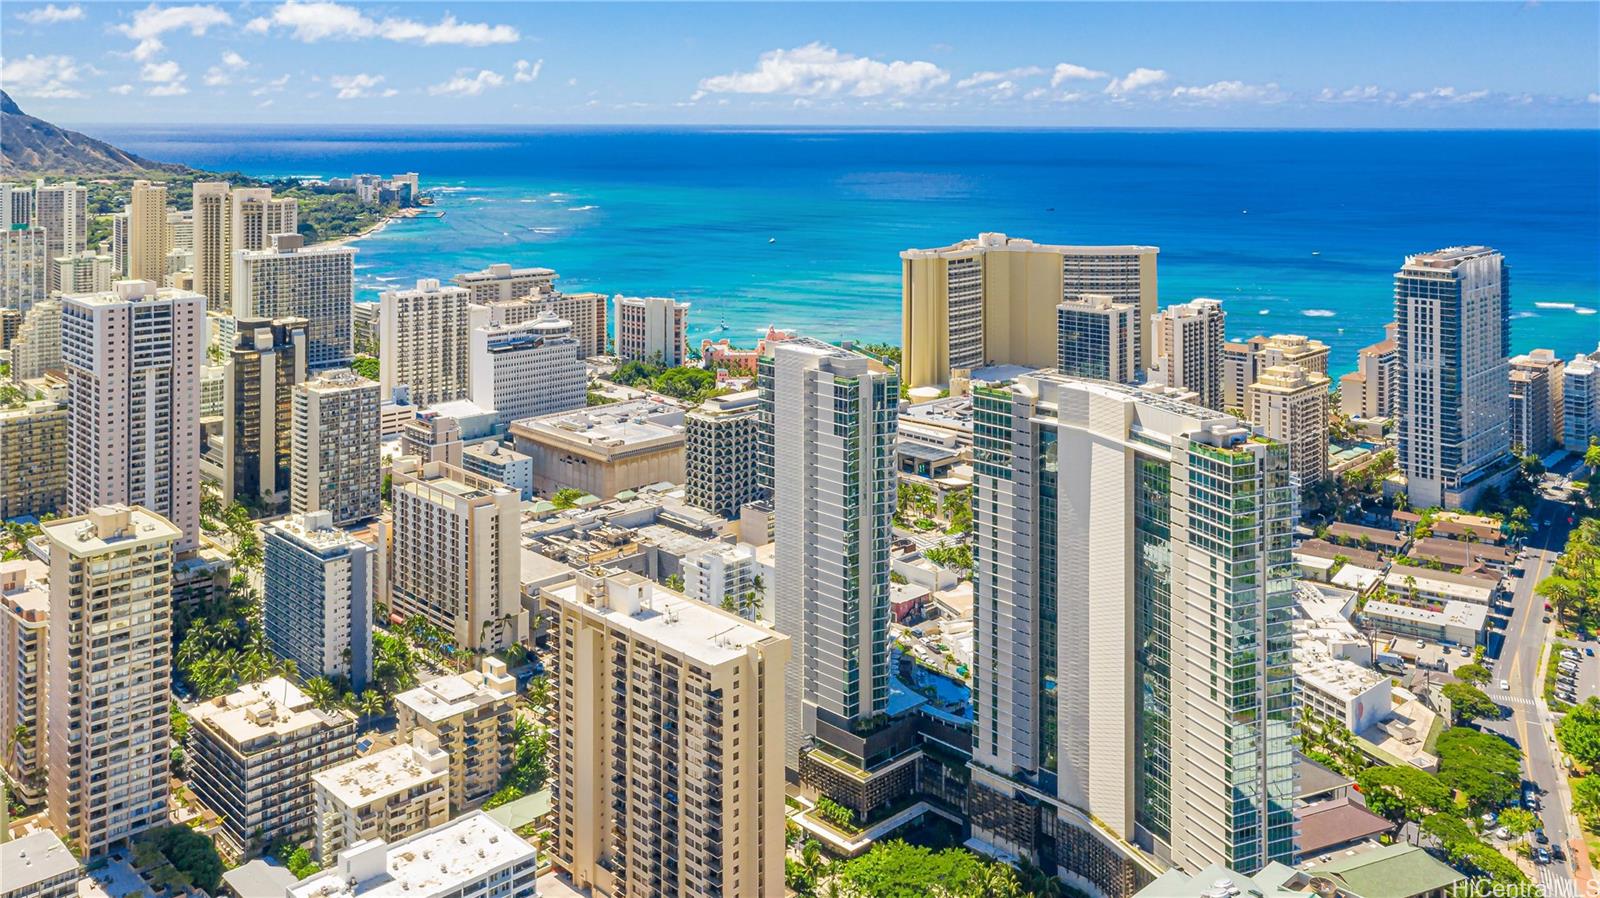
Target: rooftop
996	242
1345	680
1335	822
32	859
274	708
1475	588
336	379
448	696
258	879
107	527
636	422
432	862
1313	779
1454	614
394	770
1391	871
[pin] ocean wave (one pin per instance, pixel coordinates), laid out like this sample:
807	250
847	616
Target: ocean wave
1569	306
1318	313
1584	310
1520	315
582	208
1264	312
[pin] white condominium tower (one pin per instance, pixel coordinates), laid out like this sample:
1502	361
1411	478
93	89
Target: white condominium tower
1099	338
334	464
652	329
1538	412
668	777
62	211
1580	402
829	419
423	335
25	268
133	373
85	272
1132	677
289	279
1188	339
527	370
992	301
110	674
1453	308
317	606
255	216
147	232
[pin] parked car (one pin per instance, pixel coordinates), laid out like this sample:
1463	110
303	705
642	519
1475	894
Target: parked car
1541	856
1466	651
1570	653
1588	651
1540	837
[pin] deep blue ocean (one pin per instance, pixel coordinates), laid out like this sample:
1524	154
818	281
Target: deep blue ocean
1297	232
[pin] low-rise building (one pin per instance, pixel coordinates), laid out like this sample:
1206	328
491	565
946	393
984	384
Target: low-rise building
251	755
38	865
473	856
605	450
472	715
652	329
724	576
1459	623
1420	584
385	796
501	463
1340	690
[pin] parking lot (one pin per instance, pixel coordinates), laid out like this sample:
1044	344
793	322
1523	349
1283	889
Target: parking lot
1586	678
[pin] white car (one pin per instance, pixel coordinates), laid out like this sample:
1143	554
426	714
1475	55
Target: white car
1422	643
1505	685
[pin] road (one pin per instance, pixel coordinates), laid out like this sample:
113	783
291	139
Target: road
1530	724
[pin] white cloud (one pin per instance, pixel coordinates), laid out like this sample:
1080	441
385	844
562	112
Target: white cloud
271	87
47	77
1066	71
216	77
121	90
1445	95
1370	93
148	49
467	85
174	89
527	71
1138	78
352	87
817	70
50	14
161	72
1594	98
321	20
1230	92
978	79
233	60
153	21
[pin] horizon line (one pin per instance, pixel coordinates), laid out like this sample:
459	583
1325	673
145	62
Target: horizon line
773	126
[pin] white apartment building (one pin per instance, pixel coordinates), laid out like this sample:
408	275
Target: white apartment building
1290	405
16	204
652	329
289	279
586	311
498	462
722	445
500	283
527	370
1537	407
1187	344
423	333
1453	308
250	758
37	345
1372	390
457	554
829	419
385	796
1114	706
473	856
724	576
24	641
38	865
119	241
472	715
1243	363
667	775
1339	690
62	212
992	301
317	603
147	232
25	278
1580	402
110	670
255	216
334	463
1098	337
133	358
85	272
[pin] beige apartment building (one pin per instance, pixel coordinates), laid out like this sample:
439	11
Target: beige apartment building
1290	405
500	283
1188	340
251	755
286	279
110	664
212	260
423	334
604	450
36	347
457	557
472	715
147	232
387	795
1372	390
661	696
62	212
1538	417
1243	362
992	301
133	371
255	215
26	271
652	329
334	462
585	311
24	634
33	469
85	272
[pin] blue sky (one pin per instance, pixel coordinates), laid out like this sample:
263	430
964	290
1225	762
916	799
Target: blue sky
1432	65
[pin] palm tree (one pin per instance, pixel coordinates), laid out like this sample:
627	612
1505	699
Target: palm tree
373	705
1591	456
539	692
321	692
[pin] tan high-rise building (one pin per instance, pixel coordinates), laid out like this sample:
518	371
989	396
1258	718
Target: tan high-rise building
1537	403
255	215
992	301
133	371
85	272
423	335
500	283
147	232
1372	390
212	260
1243	362
652	328
62	211
24	631
37	344
1188	340
387	795
1290	404
25	275
457	554
110	664
290	279
472	716
660	695
335	464
585	311
33	469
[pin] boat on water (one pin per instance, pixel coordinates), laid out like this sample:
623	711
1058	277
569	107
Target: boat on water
772	240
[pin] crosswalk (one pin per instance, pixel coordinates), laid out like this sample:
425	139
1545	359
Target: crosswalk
1556	882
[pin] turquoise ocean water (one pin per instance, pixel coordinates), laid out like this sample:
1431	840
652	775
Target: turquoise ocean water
1297	232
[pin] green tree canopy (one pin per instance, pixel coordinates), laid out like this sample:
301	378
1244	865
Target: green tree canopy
1579	732
1403	793
1468	703
1483	767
